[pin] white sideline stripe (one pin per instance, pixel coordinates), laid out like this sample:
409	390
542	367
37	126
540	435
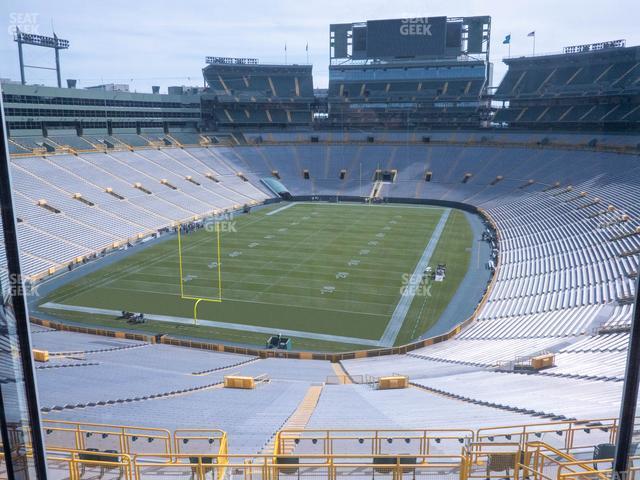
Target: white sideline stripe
280	209
371	205
211	323
402	308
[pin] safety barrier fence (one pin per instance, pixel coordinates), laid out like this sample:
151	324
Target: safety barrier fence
82	464
372	442
84	450
569	435
576	436
131	440
504	461
266	467
541	461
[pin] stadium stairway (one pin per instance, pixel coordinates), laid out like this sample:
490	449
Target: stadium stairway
298	419
226	367
341	374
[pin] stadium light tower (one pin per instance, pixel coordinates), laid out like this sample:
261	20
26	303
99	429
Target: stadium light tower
54	42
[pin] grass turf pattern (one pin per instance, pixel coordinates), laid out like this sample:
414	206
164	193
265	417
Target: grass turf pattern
326	268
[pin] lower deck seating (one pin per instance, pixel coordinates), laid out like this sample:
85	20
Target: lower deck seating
96	200
540	394
250	417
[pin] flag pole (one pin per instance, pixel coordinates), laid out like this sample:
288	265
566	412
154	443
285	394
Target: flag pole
534	44
507	41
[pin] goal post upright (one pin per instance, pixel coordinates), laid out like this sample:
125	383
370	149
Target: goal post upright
217	255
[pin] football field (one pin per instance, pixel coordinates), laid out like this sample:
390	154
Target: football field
331	276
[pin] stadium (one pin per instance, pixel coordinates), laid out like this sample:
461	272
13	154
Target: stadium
418	272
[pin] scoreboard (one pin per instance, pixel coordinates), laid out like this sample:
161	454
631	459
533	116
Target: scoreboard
410	37
403	38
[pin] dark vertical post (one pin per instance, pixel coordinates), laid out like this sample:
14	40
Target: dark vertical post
629	394
57	61
20	56
18	301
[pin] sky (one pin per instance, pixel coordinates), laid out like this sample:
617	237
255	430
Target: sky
159	42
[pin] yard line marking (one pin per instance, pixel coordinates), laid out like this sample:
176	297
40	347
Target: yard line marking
402	308
261	302
277	210
225	325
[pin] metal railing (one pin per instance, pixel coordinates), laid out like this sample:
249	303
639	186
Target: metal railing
124	439
476	460
372	442
332	467
568	436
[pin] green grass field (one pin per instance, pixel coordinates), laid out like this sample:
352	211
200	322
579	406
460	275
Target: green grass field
323	269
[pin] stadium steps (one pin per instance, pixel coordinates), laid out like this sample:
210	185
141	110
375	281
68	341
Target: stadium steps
533	413
226	367
627	72
577	376
298	420
67	365
628	114
22	148
341	373
101	350
143	138
239	138
539	90
174	140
